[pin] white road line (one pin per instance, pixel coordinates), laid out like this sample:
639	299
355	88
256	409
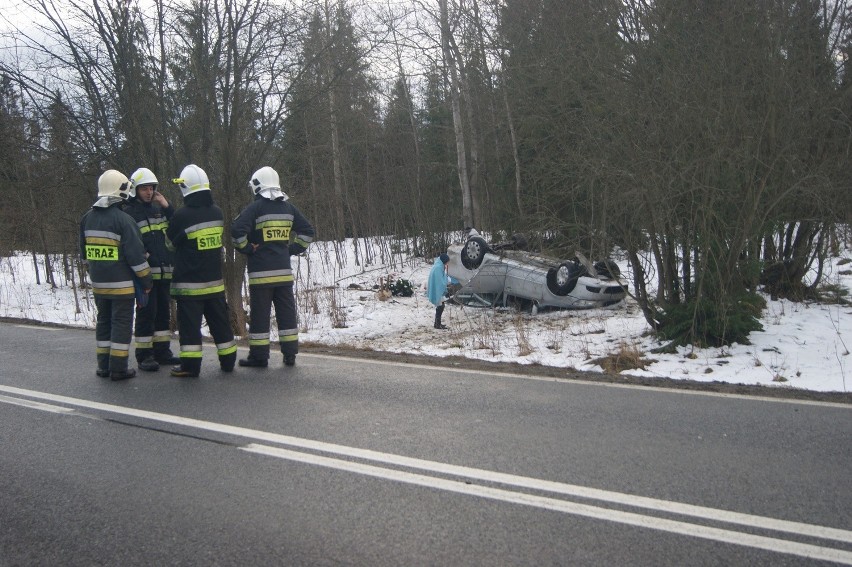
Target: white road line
629	518
762	522
35	405
38	328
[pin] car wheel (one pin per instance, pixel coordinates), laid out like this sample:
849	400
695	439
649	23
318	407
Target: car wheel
562	279
473	252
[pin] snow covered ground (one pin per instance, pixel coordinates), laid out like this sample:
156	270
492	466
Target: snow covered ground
803	345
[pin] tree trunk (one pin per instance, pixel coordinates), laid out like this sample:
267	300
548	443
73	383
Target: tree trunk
475	140
458	126
513	138
340	217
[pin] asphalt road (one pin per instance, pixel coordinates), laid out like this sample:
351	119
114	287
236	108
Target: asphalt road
359	462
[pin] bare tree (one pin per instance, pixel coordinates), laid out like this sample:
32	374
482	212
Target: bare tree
468	213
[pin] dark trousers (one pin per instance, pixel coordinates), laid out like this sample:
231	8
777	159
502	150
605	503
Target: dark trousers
113	330
215	312
152	324
261	300
439	310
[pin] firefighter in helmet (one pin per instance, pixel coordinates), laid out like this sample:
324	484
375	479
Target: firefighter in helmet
112	246
195	235
269	231
152	211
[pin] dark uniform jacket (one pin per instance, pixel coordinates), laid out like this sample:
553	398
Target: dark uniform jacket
153	220
279	230
111	244
195	235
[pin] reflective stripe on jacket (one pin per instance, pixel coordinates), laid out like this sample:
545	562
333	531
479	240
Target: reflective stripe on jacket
153	221
195	234
269	232
111	244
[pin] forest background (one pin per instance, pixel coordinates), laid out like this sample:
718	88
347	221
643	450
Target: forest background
708	140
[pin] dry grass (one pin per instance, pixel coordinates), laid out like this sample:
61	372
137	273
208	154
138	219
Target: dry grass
484	334
555	339
336	309
308	307
523	335
625	357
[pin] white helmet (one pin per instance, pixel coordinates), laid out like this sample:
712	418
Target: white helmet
192	179
142	176
264	178
113	183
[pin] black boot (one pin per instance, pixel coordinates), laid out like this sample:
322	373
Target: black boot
117	375
259	363
166	358
228	361
149	364
438	312
103	366
289	360
180	372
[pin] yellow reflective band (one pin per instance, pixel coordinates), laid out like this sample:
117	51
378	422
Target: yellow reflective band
271	223
212	242
274	233
154	227
118	353
113	291
271	279
224	351
208	238
144	344
288	339
95	253
162	339
190	354
101	240
275	230
102	350
182	292
258	342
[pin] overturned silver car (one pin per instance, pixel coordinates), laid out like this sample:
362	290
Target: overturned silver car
503	274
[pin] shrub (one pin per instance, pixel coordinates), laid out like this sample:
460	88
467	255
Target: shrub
400	287
709	323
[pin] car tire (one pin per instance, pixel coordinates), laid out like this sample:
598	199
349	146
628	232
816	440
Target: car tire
473	252
562	279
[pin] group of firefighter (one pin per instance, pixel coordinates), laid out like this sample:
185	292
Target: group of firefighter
141	252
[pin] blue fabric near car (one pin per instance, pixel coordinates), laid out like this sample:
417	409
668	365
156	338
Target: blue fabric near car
437	284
